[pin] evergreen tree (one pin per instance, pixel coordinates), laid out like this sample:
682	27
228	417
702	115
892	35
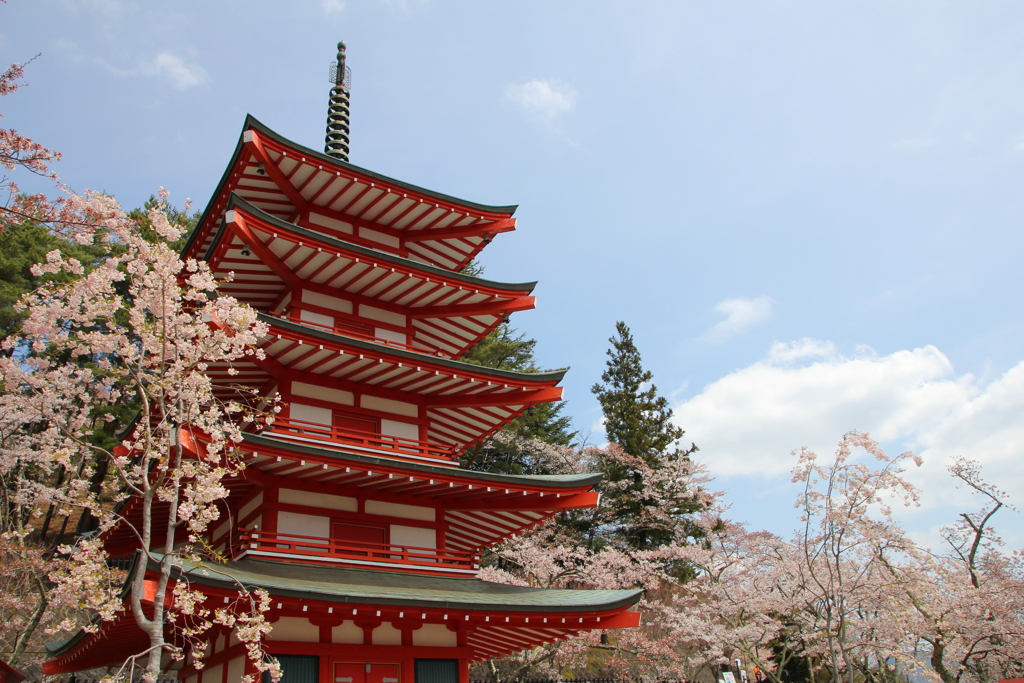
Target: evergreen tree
504	349
22	245
636	418
639	421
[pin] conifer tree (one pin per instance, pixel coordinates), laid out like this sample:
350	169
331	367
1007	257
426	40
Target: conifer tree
504	349
640	422
636	418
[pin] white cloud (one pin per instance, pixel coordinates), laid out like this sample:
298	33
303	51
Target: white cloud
542	99
170	65
331	7
741	314
805	393
987	428
165	65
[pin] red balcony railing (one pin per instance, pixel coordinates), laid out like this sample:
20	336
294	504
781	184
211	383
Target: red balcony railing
391	445
410	558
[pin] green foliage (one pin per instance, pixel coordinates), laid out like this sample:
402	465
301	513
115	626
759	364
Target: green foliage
793	668
639	421
22	245
504	349
26	243
635	418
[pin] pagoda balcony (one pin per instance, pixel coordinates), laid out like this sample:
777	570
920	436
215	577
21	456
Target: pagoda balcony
275	546
369	443
349	331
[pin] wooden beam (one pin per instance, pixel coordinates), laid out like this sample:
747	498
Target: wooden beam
475	230
523	303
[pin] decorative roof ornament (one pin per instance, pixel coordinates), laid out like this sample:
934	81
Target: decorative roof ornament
336	143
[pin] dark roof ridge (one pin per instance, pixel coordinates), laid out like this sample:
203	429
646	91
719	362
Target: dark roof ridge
438	471
235	201
548	376
251	122
357	586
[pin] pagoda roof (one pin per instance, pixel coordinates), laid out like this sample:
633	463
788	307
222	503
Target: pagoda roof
527	378
379	587
449	311
549	483
482	508
496	616
8	674
463	402
379	211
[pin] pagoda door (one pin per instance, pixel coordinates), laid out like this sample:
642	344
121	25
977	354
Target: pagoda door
365	673
381	673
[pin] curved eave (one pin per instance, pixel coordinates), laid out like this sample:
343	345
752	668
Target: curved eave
237	202
554	483
550	378
9	674
379	587
478	509
463	402
252	123
420	196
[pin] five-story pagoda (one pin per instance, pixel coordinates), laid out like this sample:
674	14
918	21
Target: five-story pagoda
352	511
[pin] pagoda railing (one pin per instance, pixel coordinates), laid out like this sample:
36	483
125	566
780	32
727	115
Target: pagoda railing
290	428
355	334
250	542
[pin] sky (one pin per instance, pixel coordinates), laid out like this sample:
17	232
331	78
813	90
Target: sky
809	214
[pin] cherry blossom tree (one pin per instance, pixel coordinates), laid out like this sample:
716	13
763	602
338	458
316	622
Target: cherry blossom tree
967	603
850	593
847	532
670	643
143	325
140	329
750	589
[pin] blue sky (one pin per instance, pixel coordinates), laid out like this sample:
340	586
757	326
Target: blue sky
808	213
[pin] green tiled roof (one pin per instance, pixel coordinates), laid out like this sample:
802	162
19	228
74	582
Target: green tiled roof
252	123
381	587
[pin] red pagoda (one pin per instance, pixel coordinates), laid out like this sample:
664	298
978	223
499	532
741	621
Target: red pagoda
352	511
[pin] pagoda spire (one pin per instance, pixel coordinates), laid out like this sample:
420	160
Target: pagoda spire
336	143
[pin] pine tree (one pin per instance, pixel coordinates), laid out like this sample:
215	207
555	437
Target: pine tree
503	349
640	422
636	418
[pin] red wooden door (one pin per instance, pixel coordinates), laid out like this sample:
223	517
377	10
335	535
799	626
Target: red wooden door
355	424
381	673
349	673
